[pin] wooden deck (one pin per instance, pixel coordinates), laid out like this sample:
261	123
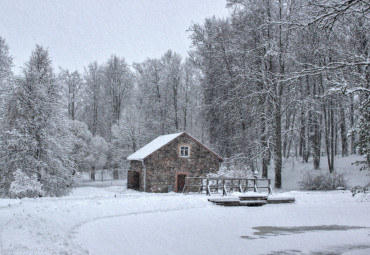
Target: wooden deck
251	200
280	200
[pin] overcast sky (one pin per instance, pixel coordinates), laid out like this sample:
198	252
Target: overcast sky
78	32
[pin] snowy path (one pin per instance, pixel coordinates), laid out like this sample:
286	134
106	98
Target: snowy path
111	221
46	225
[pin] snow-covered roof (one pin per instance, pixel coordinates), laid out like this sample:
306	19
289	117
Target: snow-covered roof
154	145
158	143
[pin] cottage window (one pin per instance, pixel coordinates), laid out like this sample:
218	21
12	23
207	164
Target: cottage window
184	151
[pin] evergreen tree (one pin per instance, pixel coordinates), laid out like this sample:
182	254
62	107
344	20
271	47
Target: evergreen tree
36	138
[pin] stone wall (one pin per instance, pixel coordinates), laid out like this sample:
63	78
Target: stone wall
163	165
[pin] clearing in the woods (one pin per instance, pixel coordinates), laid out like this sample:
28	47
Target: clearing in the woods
113	220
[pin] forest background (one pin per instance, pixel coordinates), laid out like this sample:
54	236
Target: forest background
275	79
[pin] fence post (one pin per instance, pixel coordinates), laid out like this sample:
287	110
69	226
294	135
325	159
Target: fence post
208	192
255	185
270	188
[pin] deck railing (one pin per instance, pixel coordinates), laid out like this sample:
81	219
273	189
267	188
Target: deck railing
225	184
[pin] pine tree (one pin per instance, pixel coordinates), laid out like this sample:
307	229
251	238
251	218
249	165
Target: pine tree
6	63
36	137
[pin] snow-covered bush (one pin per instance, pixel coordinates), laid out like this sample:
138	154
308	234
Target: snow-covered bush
323	181
25	186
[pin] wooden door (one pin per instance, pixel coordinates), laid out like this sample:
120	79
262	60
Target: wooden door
133	180
180	182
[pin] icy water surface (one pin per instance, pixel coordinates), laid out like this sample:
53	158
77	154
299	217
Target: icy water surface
267	231
338	250
264	231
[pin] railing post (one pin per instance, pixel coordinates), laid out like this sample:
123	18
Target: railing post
208	192
270	188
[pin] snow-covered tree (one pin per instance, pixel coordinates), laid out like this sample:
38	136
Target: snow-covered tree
97	157
118	81
6	63
81	145
6	76
72	83
36	138
363	129
95	113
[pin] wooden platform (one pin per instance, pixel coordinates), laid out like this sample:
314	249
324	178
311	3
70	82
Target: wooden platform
253	197
251	200
280	200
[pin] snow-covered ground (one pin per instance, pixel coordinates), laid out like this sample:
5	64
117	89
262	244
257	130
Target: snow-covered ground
294	170
112	220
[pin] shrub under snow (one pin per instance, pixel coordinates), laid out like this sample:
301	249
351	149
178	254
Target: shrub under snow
24	186
323	181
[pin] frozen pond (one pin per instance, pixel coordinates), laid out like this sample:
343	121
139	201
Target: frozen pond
272	229
109	220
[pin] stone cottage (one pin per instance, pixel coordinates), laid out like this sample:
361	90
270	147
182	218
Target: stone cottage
163	164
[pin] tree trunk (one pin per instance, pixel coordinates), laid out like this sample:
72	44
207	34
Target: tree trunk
302	142
115	174
278	150
175	104
343	133
265	150
316	144
331	167
92	174
316	137
352	118
291	136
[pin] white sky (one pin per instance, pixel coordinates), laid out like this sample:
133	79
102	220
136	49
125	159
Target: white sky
78	32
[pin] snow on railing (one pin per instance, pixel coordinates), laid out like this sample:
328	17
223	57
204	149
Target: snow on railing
226	184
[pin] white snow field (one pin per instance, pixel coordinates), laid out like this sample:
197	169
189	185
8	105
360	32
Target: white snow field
113	220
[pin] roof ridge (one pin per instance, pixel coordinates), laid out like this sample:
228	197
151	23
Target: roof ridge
153	146
160	142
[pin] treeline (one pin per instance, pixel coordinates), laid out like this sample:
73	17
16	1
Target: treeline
286	78
277	78
57	123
